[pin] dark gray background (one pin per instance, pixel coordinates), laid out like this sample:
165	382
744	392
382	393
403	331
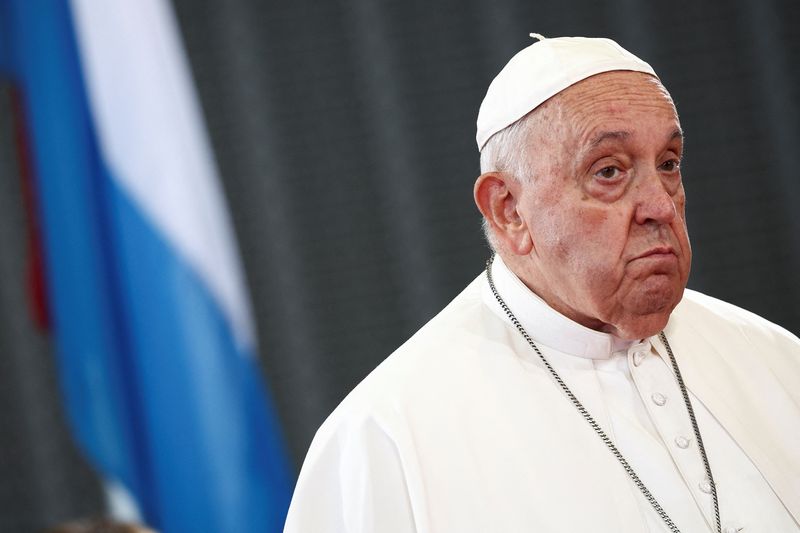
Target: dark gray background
344	133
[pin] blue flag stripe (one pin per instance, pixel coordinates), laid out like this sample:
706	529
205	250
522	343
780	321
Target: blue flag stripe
205	406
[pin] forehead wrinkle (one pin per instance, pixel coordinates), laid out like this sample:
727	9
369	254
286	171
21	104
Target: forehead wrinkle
611	91
610	95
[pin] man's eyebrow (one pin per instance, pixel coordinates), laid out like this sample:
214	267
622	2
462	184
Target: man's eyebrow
603	136
621	135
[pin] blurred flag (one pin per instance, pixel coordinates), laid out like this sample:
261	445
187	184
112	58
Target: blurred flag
155	339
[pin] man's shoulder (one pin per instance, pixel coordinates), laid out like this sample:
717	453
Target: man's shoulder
447	339
706	313
447	353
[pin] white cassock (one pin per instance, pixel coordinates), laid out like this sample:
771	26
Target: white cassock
463	430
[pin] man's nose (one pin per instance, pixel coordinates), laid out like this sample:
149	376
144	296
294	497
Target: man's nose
654	201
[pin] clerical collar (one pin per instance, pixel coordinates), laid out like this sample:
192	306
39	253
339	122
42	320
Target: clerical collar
546	325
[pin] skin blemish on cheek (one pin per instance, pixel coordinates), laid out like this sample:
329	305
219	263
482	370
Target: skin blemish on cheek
592	214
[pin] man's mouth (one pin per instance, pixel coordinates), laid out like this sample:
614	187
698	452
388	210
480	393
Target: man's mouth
658	252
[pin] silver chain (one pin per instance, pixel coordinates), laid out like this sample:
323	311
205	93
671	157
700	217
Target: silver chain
602	434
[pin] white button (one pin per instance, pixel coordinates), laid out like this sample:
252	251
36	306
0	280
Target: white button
705	486
638	356
682	442
733	529
658	399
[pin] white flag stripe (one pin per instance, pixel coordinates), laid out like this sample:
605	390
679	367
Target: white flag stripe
153	138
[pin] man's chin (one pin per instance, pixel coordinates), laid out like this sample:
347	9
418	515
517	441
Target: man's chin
647	312
655	294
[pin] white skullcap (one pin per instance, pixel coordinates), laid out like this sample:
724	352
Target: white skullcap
543	70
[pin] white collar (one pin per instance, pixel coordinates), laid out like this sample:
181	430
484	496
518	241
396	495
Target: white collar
543	323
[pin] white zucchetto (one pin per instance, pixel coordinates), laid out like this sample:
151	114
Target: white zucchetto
543	70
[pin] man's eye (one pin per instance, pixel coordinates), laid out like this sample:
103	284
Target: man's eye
608	173
670	166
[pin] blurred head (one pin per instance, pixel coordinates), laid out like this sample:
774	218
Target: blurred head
98	525
583	200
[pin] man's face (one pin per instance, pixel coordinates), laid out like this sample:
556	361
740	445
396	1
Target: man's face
605	209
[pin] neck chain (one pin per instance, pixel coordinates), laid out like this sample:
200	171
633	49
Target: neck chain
602	434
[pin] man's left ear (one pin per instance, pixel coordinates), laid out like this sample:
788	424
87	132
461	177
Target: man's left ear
497	195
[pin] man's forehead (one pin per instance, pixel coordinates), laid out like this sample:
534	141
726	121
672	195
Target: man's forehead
615	90
614	97
619	108
617	85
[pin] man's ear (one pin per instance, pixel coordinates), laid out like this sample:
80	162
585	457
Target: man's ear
497	195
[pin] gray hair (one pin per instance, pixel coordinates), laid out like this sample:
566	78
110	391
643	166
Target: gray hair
510	151
505	151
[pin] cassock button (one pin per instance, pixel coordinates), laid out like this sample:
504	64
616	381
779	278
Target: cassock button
705	486
638	356
682	442
658	399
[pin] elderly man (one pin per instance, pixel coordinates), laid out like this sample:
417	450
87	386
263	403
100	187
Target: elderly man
575	385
